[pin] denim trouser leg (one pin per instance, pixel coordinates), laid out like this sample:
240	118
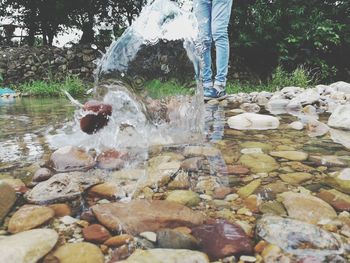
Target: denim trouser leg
213	17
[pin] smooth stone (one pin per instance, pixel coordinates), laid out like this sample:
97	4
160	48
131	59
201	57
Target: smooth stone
259	163
169	238
29	217
41	175
339	200
96	117
341	137
277	106
96	233
61	187
192	164
273	208
296	125
159	255
118	241
70	158
111	160
298	238
341	86
237	169
196	151
251	150
308	96
79	253
27	247
253	121
7	199
106	190
295	178
222	192
250	188
61	210
141	215
306	207
16	184
251	144
150	236
290	155
340	117
184	197
222	239
316	128
160	170
340	180
327	160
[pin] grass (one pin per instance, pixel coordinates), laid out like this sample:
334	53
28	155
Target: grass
158	89
39	88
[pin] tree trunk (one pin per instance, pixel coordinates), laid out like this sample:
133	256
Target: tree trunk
88	31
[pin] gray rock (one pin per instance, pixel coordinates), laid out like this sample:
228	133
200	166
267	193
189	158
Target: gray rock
169	238
340	118
253	121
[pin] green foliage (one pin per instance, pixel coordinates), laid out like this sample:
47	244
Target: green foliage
158	89
72	84
300	77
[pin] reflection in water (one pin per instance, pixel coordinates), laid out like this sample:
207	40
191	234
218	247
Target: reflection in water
214	122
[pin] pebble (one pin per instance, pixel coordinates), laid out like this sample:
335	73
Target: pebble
151	236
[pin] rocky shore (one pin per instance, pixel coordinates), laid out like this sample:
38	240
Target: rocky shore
274	188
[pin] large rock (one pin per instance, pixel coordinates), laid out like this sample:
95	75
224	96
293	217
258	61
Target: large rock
340	201
340	118
290	155
28	246
169	238
222	239
295	178
111	160
140	215
167	255
307	207
28	217
259	163
341	86
184	197
96	117
253	121
298	238
7	199
341	136
79	253
62	187
70	158
327	160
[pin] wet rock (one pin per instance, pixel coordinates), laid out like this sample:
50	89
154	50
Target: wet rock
61	210
118	241
250	188
140	215
316	128
341	137
160	170
277	106
169	238
259	163
41	175
181	181
16	184
206	151
192	164
307	207
106	190
252	202
340	118
70	158
79	253
340	180
7	199
296	125
250	107
264	146
29	217
253	121
237	169
327	160
96	118
296	178
222	239
206	184
290	155
167	255
111	160
273	208
297	237
61	187
187	198
222	192
340	201
27	247
96	233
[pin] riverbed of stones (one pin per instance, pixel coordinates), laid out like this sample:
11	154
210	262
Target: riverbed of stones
274	188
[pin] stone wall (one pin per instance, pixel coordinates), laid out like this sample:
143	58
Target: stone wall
22	64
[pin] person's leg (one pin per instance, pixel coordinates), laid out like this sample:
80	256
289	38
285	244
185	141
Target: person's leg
221	12
202	9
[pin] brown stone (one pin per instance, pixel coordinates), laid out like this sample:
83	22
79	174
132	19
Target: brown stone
79	253
7	199
41	175
121	253
192	164
339	200
222	192
222	239
29	217
93	122
70	158
237	169
96	233
141	215
88	216
118	241
61	210
111	160
252	202
105	190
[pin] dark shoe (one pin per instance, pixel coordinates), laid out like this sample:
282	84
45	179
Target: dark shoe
212	93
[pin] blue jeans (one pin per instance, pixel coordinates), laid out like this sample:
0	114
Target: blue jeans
213	17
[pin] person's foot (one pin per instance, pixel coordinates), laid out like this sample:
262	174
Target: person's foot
217	93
